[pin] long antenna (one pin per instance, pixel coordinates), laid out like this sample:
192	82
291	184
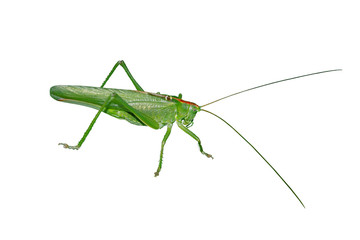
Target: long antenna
287	79
257	153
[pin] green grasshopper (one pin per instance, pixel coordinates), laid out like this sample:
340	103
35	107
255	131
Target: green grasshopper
146	109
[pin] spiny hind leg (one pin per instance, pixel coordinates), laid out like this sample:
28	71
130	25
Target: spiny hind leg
123	65
167	134
104	106
185	129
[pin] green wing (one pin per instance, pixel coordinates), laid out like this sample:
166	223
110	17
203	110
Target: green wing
141	108
137	107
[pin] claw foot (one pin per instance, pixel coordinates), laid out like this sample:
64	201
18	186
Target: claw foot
69	147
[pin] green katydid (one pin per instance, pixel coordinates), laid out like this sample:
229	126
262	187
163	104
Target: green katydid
147	109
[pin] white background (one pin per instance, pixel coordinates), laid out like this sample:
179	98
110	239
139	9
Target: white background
308	128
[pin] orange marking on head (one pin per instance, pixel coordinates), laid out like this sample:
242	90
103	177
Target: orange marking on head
187	102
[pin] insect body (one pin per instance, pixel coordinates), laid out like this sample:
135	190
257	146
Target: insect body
144	109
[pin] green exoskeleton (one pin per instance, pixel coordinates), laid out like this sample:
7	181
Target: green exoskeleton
145	109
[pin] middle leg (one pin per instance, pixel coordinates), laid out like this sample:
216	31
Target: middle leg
167	134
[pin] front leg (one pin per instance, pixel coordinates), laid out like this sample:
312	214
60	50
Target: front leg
185	129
